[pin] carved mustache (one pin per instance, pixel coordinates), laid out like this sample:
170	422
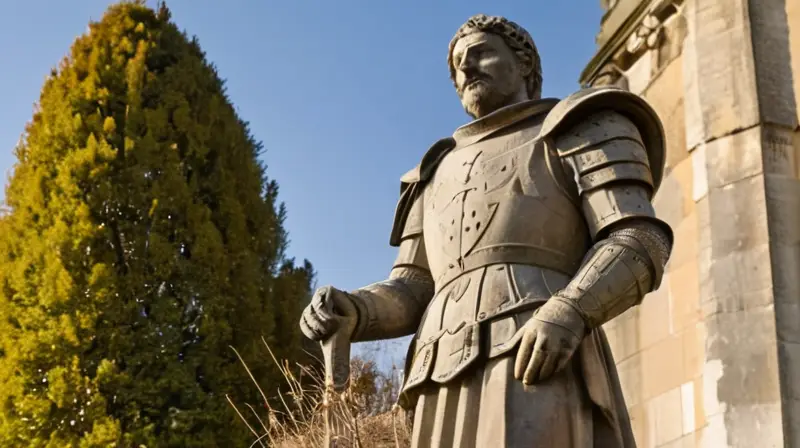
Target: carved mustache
474	79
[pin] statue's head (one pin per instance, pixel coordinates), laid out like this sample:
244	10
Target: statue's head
493	63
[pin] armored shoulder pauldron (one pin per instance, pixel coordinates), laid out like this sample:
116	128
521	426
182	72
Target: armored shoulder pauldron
574	109
412	182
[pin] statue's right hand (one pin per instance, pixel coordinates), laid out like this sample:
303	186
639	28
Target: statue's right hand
323	316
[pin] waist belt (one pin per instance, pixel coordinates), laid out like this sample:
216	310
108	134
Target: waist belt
512	254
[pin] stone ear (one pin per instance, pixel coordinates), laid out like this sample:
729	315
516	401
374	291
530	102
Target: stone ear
525	64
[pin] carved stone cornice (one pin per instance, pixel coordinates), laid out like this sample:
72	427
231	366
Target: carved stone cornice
641	32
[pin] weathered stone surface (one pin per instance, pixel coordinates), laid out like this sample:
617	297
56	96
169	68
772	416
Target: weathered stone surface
699	172
791	422
714	434
738	216
734	158
654	320
694	350
773	64
686	247
671	47
669	416
631	376
623	334
789	353
703	225
730	299
785	270
699	404
793	19
787	316
639	74
718	79
669	106
742	345
684	296
783	196
662	367
669	201
780	152
684	174
643	423
755	426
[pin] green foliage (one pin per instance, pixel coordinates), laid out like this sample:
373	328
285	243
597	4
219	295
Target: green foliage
143	239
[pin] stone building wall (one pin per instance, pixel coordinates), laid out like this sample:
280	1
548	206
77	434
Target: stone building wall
793	18
710	359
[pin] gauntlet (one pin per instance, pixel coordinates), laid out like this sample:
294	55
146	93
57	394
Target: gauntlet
617	273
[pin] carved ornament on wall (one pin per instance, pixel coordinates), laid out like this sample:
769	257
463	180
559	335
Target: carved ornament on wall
647	36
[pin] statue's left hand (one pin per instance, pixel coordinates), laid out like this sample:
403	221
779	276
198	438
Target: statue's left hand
549	340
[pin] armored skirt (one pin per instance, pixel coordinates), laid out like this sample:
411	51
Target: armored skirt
580	407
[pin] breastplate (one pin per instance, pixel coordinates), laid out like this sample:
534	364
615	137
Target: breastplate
497	201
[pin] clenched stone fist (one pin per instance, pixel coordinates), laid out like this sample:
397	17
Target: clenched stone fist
549	340
322	317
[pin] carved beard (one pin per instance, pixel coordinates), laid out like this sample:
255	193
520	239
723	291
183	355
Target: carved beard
481	98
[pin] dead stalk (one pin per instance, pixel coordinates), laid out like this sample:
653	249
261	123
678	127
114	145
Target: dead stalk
299	422
242	417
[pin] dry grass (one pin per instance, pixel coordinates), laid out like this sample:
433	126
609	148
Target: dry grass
365	410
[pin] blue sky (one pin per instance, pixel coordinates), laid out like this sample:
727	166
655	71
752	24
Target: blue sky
345	95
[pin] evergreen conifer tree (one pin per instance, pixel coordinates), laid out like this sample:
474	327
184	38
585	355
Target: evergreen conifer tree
142	240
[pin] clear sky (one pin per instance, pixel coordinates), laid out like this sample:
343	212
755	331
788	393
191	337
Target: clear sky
346	96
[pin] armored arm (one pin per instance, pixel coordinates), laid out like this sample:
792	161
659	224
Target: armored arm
608	156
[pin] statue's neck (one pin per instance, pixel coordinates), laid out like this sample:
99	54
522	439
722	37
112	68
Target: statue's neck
501	118
520	97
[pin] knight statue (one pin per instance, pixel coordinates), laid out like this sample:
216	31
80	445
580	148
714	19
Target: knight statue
518	238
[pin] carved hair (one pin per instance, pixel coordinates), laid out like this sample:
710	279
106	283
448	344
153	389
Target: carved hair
514	36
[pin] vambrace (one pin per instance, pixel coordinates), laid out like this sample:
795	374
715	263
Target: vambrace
394	307
619	271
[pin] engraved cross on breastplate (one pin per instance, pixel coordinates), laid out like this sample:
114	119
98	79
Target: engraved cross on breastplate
467	215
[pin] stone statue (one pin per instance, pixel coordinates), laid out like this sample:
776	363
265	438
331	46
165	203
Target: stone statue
518	237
